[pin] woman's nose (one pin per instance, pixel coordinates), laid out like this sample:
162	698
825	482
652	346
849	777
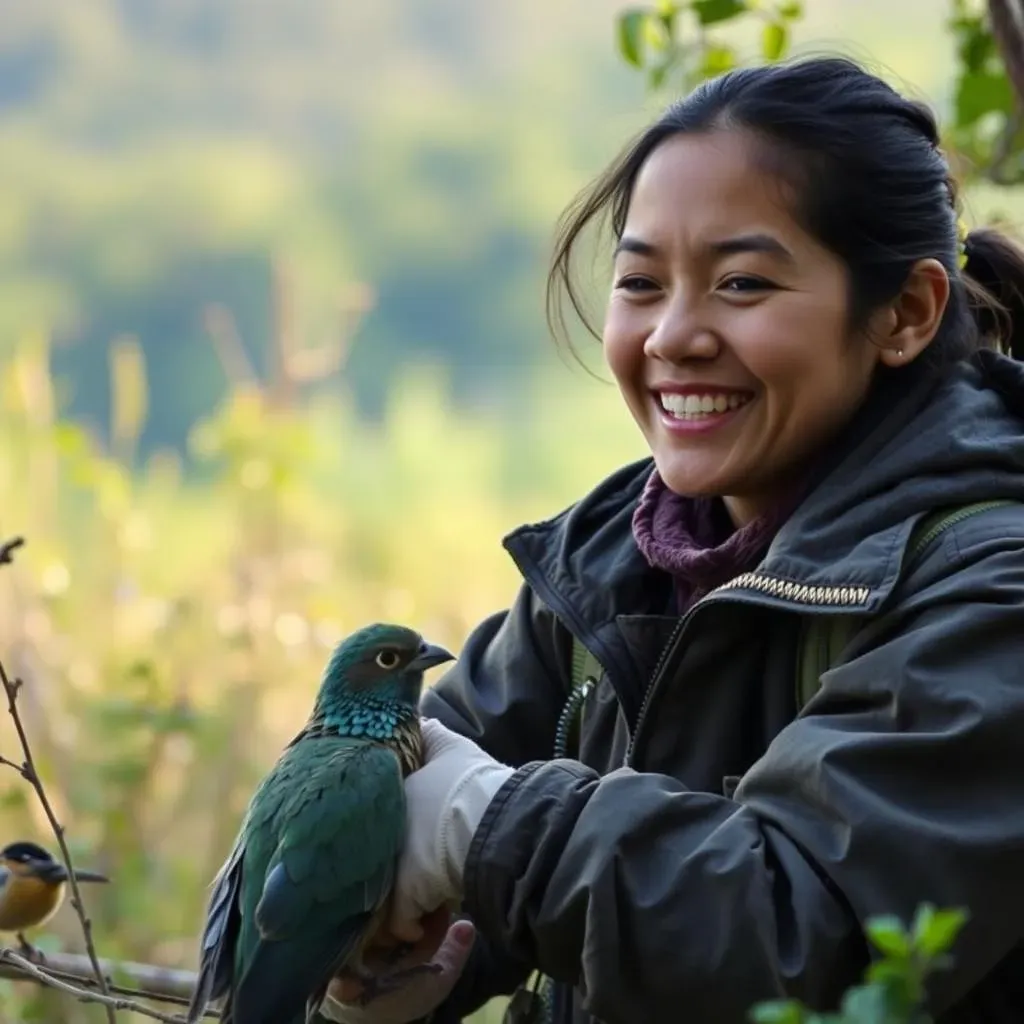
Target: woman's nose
679	334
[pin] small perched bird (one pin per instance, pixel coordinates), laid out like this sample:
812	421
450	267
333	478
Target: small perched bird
308	880
32	886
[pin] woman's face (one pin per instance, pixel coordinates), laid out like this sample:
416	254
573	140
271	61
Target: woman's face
727	326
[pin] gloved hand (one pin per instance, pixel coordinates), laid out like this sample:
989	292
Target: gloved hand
445	800
444	945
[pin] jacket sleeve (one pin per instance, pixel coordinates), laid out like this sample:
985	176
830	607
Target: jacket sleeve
506	693
902	781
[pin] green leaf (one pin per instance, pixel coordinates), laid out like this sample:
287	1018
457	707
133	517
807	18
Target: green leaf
667	12
631	33
923	917
778	1011
867	1004
656	35
887	972
792	10
710	11
936	931
975	45
980	93
716	60
774	40
888	934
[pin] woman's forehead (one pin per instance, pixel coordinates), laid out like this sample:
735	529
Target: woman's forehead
707	186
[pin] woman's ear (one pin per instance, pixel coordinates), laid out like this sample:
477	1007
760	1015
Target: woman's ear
913	317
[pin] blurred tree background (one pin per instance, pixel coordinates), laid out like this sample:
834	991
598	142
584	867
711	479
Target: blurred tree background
273	364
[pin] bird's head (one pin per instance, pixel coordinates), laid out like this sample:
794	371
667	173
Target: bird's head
377	666
32	861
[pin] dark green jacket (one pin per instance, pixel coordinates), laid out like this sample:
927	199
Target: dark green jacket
713	847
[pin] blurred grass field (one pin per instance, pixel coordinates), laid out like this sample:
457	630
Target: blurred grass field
171	633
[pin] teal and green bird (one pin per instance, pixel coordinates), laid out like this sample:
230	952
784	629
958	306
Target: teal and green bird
308	880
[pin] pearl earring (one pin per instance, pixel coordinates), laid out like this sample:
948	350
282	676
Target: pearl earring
899	353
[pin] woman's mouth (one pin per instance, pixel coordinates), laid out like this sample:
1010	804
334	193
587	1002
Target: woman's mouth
705	406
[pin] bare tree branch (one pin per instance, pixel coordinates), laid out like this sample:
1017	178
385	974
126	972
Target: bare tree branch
1007	20
29	773
147	981
8	548
83	995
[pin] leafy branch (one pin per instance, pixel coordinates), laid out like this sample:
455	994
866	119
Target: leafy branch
893	988
680	36
682	42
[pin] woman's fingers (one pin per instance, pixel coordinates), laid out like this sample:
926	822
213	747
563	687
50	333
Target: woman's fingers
379	956
433	928
412	998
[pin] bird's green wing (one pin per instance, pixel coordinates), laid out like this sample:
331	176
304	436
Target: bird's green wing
217	949
337	810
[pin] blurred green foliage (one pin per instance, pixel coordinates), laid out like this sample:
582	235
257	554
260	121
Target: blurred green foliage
404	163
682	42
171	631
895	983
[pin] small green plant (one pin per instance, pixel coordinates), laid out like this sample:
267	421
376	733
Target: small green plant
893	989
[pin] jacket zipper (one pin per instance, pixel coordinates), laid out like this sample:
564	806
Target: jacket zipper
773	586
797	593
577	696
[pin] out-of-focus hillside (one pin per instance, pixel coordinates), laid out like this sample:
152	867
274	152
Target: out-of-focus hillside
157	155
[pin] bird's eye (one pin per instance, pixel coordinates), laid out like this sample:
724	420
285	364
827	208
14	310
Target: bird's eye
387	659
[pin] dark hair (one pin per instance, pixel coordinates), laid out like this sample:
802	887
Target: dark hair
871	182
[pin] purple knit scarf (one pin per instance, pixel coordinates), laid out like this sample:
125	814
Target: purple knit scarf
694	540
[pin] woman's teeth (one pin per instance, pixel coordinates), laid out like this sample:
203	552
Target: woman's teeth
686	407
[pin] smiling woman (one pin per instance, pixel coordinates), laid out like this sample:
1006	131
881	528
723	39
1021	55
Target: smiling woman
719	294
815	356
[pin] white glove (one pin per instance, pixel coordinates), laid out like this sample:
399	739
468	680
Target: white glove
445	800
421	994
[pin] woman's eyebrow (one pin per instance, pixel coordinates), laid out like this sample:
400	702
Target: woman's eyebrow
756	242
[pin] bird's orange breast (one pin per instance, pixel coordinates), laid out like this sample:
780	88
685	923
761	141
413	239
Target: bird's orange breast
26	902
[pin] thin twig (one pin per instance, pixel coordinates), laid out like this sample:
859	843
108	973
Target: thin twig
8	548
148	981
28	771
111	1003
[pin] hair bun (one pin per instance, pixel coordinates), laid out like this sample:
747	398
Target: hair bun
994	268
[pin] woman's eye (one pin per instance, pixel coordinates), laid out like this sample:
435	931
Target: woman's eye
743	283
635	284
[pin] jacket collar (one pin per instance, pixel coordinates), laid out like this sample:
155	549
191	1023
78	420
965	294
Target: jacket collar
918	443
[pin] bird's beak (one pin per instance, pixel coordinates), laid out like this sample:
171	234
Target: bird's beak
430	655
